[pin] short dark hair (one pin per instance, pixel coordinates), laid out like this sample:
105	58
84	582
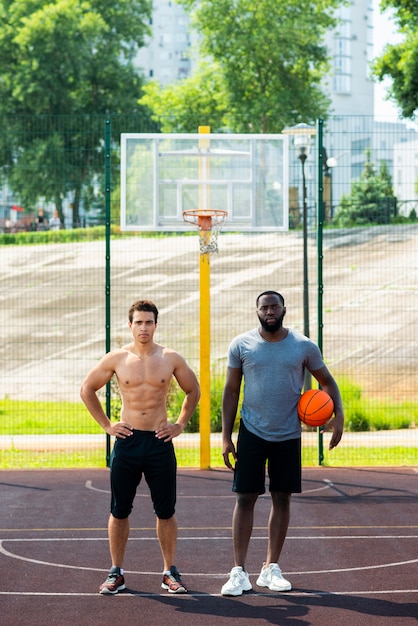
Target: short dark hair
270	293
143	305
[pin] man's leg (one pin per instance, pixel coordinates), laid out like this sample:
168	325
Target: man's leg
271	575
242	526
118	531
277	525
167	536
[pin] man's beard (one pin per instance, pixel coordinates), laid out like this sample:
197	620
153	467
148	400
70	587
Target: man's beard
272	328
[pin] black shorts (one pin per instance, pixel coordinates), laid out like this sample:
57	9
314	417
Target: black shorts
284	464
143	454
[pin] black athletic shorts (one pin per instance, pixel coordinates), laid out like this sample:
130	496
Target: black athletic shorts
284	464
143	454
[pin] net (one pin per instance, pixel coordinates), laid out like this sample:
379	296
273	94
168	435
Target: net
209	223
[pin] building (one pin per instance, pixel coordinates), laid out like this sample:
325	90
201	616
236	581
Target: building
351	129
166	57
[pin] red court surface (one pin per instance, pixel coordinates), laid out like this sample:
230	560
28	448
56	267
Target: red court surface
351	552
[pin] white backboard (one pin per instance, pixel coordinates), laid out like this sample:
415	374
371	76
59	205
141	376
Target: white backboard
164	174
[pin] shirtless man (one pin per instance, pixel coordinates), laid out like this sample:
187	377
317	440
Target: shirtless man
143	444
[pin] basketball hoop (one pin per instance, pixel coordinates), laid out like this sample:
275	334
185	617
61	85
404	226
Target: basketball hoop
209	223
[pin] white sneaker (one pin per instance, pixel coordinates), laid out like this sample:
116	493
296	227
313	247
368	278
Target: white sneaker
272	578
237	583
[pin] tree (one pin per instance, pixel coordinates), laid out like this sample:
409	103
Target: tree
399	62
71	58
182	106
371	200
269	59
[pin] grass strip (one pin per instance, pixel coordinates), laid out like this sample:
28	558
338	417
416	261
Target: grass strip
190	457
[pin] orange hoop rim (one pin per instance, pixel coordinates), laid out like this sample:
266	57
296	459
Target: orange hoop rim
202	213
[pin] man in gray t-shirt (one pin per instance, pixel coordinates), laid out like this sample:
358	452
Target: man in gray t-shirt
271	359
273	372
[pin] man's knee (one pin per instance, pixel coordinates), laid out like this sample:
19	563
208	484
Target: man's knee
118	518
121	512
280	499
246	500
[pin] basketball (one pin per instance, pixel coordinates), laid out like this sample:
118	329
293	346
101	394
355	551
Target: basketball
315	407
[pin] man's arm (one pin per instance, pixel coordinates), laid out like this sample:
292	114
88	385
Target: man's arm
230	399
328	384
98	376
188	383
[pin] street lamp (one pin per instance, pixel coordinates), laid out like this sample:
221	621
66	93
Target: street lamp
302	134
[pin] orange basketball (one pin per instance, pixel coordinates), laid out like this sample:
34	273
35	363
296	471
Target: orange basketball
315	407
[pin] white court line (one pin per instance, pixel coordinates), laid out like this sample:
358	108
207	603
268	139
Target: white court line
94	569
89	485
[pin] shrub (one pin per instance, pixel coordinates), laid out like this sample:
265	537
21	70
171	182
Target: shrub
357	422
382	425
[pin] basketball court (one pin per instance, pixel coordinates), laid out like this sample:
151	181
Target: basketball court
351	551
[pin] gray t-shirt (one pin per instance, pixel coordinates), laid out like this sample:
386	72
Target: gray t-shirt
273	379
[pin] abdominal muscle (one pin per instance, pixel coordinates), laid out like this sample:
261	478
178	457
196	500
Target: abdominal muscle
144	408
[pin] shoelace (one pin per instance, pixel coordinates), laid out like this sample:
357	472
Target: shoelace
174	579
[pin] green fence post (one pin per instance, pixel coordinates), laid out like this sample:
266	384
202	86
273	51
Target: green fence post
107	271
319	228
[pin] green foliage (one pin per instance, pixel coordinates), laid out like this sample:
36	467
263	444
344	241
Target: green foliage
356	417
373	414
69	56
56	236
32	417
175	400
349	390
371	199
357	422
26	418
266	63
71	235
364	456
184	105
36	459
342	456
62	60
399	62
23	417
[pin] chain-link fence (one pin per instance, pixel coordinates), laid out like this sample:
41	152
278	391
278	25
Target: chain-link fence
55	294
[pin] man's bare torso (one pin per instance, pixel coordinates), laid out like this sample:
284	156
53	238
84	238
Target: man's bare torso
144	381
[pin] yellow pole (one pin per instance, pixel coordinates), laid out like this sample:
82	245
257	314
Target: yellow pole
204	287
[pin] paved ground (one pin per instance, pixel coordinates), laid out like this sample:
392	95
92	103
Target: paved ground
351	552
52	317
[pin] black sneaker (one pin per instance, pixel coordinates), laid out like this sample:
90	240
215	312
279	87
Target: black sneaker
172	581
114	582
